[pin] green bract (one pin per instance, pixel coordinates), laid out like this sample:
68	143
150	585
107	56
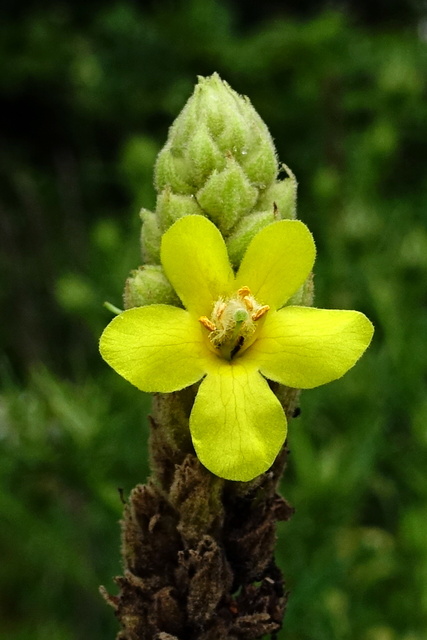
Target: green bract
233	331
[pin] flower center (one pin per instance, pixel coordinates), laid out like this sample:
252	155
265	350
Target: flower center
233	322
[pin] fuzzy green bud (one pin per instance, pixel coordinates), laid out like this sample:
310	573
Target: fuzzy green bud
219	161
282	196
227	196
220	151
150	237
170	170
245	230
204	154
214	123
305	294
172	206
148	285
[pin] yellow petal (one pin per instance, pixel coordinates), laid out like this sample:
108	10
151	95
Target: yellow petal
303	347
277	262
156	348
237	424
195	260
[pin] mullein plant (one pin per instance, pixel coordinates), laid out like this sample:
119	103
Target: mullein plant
218	325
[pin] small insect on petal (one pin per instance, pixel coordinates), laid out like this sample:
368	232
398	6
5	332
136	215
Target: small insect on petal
260	312
207	323
239	344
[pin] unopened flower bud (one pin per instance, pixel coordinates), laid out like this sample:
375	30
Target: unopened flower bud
204	154
172	206
245	230
221	152
227	196
305	294
282	195
150	237
148	285
170	172
219	161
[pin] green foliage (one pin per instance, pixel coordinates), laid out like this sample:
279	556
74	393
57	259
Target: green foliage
88	98
60	474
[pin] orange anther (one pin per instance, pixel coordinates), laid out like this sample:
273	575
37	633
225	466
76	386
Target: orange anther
244	291
261	312
220	310
207	323
248	303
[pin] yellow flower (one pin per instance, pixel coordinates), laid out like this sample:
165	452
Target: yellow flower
233	334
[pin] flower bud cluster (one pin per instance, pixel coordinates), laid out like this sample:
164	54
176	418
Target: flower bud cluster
220	162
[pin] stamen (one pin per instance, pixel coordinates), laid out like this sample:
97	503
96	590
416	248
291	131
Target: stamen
248	303
260	312
244	291
204	320
220	310
232	324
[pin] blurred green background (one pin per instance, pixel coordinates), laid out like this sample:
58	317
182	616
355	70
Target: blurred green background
88	90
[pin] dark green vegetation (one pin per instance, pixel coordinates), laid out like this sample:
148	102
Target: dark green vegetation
88	94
